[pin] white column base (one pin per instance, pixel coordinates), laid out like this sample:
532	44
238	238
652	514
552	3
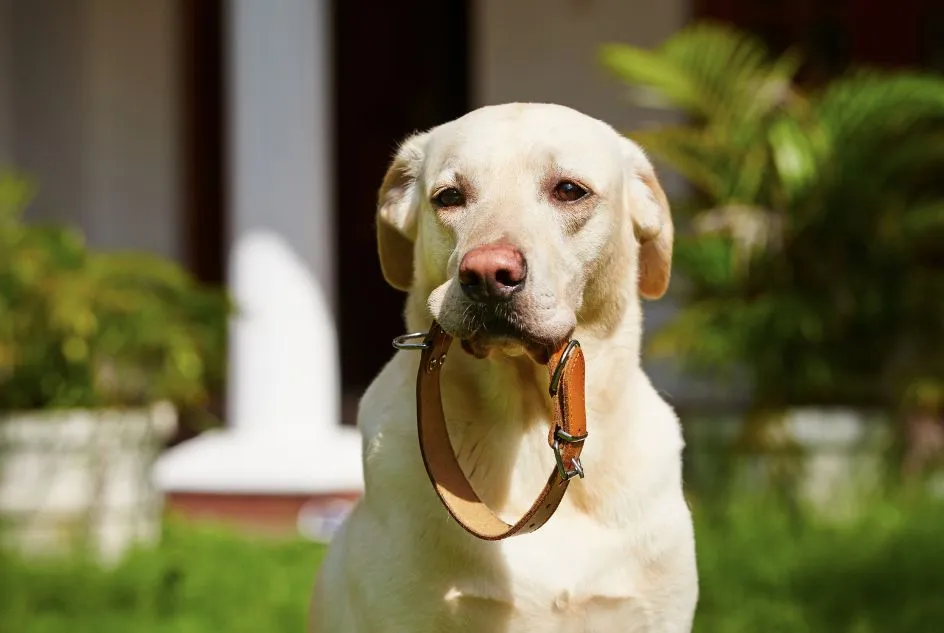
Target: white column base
284	435
293	459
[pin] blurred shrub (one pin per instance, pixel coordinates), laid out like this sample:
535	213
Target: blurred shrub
811	251
80	328
763	568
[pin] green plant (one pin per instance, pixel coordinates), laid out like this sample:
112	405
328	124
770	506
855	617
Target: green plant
811	249
80	328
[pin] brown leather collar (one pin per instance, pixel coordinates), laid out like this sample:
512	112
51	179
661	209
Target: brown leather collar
566	437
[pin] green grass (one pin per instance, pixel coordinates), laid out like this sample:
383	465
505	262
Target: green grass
200	580
762	569
765	569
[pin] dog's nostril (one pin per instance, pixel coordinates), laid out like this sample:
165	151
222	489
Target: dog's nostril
469	277
507	278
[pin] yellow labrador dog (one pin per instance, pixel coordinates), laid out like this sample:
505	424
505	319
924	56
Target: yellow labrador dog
517	226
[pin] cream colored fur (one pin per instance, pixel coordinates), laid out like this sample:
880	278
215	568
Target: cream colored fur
619	554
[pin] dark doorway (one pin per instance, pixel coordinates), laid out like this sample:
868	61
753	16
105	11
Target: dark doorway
399	67
202	74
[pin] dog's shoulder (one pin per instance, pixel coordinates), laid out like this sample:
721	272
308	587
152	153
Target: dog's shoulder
648	421
388	404
386	418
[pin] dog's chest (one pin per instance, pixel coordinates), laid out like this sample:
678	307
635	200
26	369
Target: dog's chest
582	579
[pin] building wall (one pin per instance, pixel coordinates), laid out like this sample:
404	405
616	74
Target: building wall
43	54
546	50
6	103
89	107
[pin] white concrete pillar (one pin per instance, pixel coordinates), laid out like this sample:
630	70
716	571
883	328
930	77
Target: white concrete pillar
280	96
284	432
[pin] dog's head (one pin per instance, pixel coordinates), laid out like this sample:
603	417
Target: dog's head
516	222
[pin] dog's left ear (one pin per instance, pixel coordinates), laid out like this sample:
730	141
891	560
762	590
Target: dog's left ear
652	222
396	213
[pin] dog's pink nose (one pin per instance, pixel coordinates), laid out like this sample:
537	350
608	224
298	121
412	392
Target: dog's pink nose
492	272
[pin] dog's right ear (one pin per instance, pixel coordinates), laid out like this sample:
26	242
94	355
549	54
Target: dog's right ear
396	213
652	223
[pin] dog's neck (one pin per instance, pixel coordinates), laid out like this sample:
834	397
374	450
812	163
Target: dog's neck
498	410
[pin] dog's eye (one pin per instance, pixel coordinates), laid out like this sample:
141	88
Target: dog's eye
567	191
449	197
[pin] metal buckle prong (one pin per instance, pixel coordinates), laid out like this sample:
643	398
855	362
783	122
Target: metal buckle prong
405	341
561	436
559	370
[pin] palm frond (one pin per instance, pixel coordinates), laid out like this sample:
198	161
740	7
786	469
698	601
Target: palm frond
868	114
925	218
709	71
797	154
880	102
915	159
884	137
698	155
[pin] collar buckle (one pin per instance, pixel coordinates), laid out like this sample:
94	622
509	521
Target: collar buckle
576	470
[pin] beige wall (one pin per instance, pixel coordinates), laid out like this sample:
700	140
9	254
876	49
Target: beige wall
43	54
546	50
89	107
132	107
6	115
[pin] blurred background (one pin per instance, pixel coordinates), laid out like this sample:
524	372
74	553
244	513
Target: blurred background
191	303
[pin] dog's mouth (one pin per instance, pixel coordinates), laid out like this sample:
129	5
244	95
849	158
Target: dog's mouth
508	335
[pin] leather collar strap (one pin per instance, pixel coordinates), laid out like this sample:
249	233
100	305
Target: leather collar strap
566	437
